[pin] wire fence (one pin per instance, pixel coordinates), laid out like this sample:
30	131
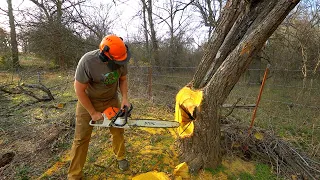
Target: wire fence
150	82
290	103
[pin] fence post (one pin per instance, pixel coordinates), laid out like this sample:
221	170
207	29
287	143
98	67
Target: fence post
259	97
149	82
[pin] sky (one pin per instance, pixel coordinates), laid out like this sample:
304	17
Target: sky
128	24
129	9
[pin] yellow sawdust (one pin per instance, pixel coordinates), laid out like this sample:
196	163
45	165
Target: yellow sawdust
187	99
154	175
182	170
151	150
153	130
57	166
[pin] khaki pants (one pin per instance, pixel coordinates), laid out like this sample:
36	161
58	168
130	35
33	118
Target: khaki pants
82	137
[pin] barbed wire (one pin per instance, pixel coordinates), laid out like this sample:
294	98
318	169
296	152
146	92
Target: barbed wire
238	84
277	85
195	67
281	102
165	92
165	67
157	79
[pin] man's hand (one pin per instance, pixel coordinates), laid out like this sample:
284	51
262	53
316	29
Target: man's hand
96	116
125	102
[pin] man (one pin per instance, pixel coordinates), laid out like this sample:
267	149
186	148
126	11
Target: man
98	75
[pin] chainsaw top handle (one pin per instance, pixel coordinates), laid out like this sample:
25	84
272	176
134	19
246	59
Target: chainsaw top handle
124	112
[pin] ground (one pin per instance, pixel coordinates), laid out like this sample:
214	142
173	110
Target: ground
36	137
42	145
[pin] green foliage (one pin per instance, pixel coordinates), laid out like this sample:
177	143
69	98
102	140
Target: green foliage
57	44
22	172
5	53
263	172
5	61
291	44
245	176
4	41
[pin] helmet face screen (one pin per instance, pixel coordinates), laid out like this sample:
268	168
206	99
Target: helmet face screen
113	47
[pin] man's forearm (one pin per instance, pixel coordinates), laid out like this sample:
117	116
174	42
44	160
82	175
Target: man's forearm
85	101
124	88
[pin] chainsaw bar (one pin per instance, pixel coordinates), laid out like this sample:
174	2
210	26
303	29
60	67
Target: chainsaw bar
153	123
149	123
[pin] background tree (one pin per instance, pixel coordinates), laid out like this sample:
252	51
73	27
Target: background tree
4	41
294	45
209	12
4	48
51	35
13	37
148	7
96	25
242	30
177	19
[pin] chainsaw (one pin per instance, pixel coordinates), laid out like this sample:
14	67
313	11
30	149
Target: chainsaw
120	118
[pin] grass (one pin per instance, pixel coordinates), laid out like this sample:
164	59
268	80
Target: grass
284	110
237	169
154	149
22	172
217	170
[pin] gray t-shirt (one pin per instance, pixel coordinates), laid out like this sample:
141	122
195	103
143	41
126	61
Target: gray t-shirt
103	82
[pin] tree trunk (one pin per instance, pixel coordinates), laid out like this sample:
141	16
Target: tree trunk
242	30
155	47
13	37
145	28
202	149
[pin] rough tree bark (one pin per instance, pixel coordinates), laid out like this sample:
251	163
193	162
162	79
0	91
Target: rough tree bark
154	42
242	29
13	37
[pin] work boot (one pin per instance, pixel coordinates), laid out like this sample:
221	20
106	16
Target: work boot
123	165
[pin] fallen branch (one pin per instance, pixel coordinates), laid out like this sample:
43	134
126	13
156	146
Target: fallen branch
11	91
268	148
245	106
20	89
41	87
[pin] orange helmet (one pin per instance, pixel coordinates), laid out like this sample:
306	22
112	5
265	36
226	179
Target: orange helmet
113	48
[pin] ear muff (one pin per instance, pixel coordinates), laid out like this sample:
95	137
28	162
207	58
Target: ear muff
128	52
102	56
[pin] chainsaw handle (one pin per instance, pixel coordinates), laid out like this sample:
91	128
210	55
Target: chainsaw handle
104	120
124	112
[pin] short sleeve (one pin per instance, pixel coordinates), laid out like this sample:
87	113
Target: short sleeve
82	72
124	70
